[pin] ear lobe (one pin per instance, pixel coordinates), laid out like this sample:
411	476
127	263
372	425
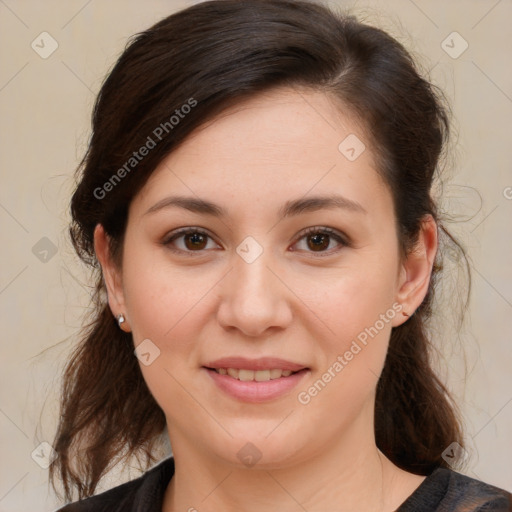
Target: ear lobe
416	270
110	271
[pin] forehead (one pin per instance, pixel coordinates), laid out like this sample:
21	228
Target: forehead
280	143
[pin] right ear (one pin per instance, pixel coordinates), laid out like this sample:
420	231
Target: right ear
111	275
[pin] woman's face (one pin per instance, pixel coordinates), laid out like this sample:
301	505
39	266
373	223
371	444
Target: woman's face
274	278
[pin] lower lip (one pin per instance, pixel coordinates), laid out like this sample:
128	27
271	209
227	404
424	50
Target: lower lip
253	391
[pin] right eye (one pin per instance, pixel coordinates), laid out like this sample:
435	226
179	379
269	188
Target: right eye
188	240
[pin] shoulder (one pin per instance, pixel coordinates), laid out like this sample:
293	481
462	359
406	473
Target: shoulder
448	490
139	494
466	491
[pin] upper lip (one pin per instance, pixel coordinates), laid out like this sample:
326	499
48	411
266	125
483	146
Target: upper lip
262	363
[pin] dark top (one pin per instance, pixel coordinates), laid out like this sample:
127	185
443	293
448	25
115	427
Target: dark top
443	491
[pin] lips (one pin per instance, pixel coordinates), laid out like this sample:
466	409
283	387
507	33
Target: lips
255	380
263	363
257	375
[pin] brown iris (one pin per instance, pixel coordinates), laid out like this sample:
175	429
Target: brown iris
320	241
197	240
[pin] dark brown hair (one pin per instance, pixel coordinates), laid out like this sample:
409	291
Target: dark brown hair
213	55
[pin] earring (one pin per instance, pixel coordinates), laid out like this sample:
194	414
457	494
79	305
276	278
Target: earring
120	319
405	314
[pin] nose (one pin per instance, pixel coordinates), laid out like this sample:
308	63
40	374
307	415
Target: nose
255	298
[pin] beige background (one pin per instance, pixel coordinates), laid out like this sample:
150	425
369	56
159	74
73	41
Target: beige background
45	106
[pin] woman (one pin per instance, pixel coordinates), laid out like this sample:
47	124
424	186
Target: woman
255	201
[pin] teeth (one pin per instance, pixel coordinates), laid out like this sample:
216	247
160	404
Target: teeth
246	374
258	375
275	374
232	373
261	375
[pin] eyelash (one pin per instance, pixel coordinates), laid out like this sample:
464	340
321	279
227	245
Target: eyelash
338	237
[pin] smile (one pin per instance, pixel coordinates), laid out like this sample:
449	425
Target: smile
256	386
255	375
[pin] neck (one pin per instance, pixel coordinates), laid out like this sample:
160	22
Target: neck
353	475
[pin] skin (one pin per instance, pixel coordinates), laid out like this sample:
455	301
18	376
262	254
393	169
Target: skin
291	302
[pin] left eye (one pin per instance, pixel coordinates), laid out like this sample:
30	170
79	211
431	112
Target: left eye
319	239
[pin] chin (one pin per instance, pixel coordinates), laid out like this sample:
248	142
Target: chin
259	451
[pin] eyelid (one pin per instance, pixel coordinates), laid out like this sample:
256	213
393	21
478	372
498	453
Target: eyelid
340	238
170	237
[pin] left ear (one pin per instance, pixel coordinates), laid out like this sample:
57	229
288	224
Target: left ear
416	270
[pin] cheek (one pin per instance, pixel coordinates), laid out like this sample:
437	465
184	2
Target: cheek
353	319
353	350
347	302
159	296
165	307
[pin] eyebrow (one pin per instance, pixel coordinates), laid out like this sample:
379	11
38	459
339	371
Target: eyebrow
289	209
